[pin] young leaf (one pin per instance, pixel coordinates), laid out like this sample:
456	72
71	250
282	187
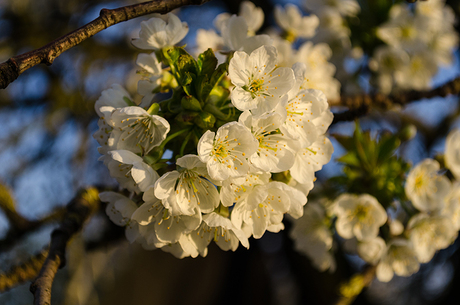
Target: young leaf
207	62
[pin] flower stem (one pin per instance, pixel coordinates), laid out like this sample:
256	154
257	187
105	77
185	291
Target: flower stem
182	148
170	137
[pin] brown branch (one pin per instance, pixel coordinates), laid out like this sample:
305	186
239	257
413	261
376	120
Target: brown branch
361	105
78	210
15	66
22	273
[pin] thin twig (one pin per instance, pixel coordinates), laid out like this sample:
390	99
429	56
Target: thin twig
15	66
22	273
360	105
78	210
15	232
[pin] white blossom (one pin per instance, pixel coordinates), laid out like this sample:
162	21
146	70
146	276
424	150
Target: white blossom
417	73
452	155
398	258
184	190
451	208
371	250
156	33
160	226
130	170
401	30
226	151
313	237
291	20
344	7
119	209
385	61
425	187
221	230
234	32
276	150
318	72
253	15
137	130
185	247
311	159
359	216
111	99
234	190
152	75
429	234
264	207
300	113
259	84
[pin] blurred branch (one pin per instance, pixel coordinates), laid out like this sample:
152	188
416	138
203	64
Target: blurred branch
9	208
350	290
18	224
22	273
360	105
15	233
15	66
78	211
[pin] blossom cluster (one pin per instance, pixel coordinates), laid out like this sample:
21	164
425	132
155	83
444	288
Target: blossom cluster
238	33
222	188
397	239
417	40
403	46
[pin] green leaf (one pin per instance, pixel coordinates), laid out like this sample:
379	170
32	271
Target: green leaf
207	62
387	147
350	159
183	66
187	63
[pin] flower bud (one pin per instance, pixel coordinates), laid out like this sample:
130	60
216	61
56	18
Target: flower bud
190	103
205	120
407	132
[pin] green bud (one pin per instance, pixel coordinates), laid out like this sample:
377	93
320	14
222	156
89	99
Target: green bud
154	109
407	132
205	120
190	103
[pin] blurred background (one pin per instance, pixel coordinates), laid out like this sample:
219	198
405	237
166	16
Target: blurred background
47	153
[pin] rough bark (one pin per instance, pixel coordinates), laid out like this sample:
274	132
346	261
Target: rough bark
15	66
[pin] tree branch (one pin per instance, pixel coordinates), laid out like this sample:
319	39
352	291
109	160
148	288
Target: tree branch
22	273
78	210
360	105
16	232
15	66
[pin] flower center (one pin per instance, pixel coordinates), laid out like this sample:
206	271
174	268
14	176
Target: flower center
361	212
420	182
256	87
